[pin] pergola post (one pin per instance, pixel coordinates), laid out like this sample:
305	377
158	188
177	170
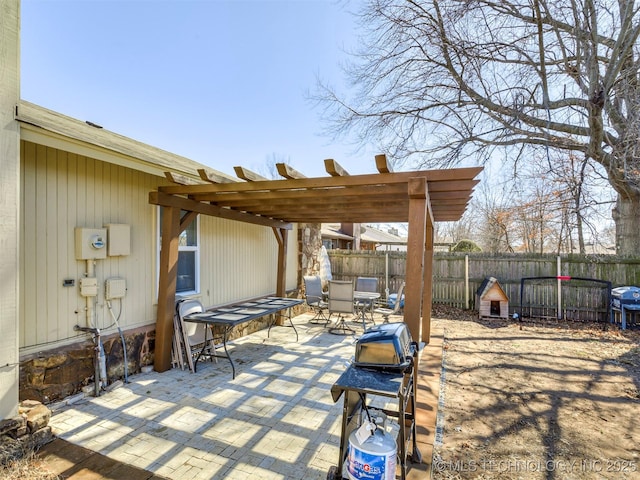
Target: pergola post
281	281
428	278
414	294
167	287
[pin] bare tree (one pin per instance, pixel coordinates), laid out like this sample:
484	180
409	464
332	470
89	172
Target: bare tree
451	80
494	213
453	232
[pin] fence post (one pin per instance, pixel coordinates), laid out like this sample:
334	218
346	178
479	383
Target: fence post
558	273
466	281
386	276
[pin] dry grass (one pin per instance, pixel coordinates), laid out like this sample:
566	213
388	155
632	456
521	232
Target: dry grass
29	467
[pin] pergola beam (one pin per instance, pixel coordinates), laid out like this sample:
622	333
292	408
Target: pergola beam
159	198
213	177
382	164
334	169
463	175
287	171
248	175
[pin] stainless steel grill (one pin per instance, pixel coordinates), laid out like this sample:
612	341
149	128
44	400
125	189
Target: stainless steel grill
386	347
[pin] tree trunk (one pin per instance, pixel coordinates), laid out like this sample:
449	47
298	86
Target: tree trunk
626	214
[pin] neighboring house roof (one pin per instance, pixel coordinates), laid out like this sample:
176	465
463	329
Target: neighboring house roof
368	234
46	127
333	231
373	235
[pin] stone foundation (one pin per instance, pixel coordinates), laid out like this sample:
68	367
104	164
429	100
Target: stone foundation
28	431
52	375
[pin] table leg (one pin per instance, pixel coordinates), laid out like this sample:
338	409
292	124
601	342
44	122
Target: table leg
224	344
275	315
291	322
204	347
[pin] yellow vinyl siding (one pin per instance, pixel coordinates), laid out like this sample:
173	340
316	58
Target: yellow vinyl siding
240	261
61	191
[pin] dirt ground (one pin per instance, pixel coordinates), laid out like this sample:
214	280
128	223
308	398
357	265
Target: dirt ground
548	401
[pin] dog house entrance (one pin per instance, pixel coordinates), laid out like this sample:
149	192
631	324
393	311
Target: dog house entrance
495	308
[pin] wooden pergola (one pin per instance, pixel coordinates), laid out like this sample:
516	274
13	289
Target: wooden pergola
418	198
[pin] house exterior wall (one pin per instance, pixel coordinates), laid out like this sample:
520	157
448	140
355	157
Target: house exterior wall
9	211
240	261
61	191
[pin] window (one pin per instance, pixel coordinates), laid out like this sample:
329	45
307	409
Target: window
188	280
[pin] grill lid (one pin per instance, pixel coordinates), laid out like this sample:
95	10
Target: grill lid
386	347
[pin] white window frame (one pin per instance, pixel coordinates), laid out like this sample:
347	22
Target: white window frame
181	248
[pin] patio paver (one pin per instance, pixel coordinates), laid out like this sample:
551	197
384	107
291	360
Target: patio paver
275	420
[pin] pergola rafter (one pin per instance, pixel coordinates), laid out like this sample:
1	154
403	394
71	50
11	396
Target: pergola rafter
418	198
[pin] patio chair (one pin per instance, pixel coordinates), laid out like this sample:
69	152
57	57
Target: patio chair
366	284
194	335
387	312
314	297
341	302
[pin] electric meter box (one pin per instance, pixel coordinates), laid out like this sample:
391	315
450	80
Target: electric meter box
118	239
91	243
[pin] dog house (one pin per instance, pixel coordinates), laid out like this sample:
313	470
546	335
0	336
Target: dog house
491	300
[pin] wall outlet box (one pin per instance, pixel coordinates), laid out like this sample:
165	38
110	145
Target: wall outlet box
88	286
115	288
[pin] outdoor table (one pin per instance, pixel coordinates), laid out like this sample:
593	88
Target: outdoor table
230	316
364	302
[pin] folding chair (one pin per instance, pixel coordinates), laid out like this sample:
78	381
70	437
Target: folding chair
194	336
314	298
341	302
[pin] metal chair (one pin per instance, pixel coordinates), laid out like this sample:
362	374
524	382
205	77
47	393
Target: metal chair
341	302
366	284
387	312
314	297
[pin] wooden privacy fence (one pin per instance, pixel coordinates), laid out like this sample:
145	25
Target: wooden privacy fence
457	277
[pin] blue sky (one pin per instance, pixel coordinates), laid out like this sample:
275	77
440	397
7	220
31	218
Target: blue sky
220	82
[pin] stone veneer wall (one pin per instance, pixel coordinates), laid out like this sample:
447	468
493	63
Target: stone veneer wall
52	375
310	243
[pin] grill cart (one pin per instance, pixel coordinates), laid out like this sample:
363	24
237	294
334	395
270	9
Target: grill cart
625	300
380	383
